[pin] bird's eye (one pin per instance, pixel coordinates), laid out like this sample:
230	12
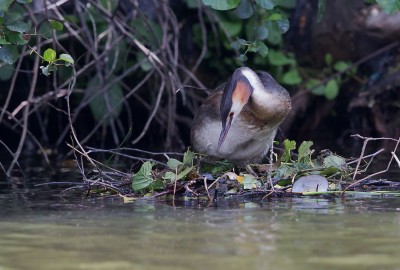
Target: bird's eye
231	114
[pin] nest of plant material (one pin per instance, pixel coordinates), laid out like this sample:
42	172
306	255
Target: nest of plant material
299	170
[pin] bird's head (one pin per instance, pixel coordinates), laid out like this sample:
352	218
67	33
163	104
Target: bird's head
236	94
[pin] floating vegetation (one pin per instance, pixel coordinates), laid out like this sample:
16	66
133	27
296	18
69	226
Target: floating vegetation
298	171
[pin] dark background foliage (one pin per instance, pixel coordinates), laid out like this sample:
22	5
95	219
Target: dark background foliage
142	67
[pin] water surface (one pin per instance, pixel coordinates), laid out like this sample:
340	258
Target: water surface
39	229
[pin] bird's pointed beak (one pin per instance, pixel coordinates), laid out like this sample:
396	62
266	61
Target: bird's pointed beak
224	132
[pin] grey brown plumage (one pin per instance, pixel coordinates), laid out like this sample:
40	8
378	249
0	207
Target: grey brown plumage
239	121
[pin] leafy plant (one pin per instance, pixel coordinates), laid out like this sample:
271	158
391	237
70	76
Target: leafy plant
147	179
263	21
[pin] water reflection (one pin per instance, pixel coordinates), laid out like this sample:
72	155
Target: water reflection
282	233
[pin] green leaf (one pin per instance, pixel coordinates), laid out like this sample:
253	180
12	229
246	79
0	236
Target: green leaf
18	26
6	72
341	66
275	17
283	25
250	182
49	55
56	25
315	87
239	43
242	58
8	54
66	58
305	152
389	6
266	4
321	9
274	33
143	178
278	58
331	89
261	32
334	161
328	59
185	172
221	4
232	28
158	185
3	41
16	37
188	158
171	176
24	1
106	103
292	77
4	4
173	164
289	146
261	48
245	9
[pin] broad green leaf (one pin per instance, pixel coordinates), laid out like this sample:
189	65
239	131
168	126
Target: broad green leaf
389	6
8	54
328	59
66	58
285	171
56	25
292	77
278	58
18	26
245	9
158	185
266	4
142	179
289	146
341	66
16	37
262	49
3	41
188	158
6	72
108	102
232	28
331	89
242	58
185	172
275	16
192	4
4	4
238	44
321	9
171	176
173	164
335	161
283	25
315	87
261	32
305	151
221	4
250	182
49	55
274	32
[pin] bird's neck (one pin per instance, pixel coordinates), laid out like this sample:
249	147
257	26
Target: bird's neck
267	106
